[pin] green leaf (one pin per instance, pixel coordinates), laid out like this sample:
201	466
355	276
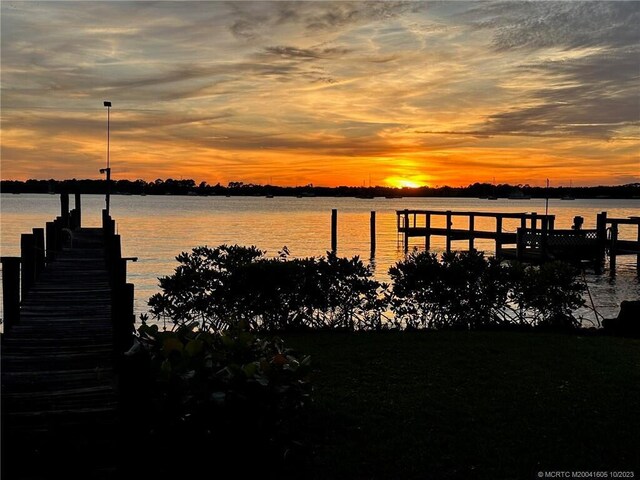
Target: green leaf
194	347
171	344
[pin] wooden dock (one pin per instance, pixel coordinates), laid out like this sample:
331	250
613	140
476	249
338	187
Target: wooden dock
535	240
60	399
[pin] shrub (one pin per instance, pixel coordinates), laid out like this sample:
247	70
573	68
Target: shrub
217	287
466	290
228	394
547	295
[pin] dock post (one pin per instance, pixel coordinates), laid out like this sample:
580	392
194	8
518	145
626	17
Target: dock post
122	317
543	239
449	223
551	225
10	291
638	254
50	241
406	230
520	245
471	231
601	234
372	228
38	237
64	208
534	221
498	236
612	248
334	230
27	252
78	209
427	238
108	224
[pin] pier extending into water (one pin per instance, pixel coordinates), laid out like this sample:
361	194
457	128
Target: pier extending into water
68	317
535	240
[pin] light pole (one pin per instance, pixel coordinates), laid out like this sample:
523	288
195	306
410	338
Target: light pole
108	169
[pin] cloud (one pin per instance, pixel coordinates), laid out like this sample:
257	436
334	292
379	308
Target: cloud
243	84
286	52
569	24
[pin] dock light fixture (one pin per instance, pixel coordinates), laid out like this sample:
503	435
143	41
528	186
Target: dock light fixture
107	170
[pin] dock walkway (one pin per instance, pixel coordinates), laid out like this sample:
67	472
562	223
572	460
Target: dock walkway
60	402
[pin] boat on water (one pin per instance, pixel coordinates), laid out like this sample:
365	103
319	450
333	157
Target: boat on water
519	195
568	196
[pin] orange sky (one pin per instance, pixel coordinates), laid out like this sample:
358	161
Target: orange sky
329	93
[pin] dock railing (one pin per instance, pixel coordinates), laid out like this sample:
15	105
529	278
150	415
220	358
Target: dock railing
536	239
418	223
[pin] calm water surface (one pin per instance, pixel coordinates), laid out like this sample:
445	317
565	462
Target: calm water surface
157	228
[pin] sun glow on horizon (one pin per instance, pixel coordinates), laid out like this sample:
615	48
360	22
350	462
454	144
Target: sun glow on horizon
399	182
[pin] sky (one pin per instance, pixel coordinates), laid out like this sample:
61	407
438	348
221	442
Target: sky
393	93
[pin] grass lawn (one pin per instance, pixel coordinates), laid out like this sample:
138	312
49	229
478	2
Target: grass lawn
460	405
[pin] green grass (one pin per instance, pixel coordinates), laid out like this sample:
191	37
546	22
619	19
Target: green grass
459	405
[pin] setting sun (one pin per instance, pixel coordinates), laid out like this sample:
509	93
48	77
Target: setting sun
399	182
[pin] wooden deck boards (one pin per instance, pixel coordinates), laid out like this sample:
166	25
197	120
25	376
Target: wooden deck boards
59	396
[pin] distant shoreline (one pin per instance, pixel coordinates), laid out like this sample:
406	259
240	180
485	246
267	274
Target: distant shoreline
189	187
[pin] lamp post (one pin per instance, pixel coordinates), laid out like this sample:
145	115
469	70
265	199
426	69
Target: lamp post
108	169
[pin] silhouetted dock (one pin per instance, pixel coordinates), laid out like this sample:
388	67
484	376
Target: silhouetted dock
534	240
64	332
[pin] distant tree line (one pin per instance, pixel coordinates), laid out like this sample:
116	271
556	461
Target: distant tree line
172	186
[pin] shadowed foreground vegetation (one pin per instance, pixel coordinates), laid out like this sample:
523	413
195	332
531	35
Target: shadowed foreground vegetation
463	405
482	372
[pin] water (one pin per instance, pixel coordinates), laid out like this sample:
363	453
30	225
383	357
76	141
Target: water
157	228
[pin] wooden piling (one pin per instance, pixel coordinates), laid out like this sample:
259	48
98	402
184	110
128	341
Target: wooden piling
471	231
520	243
50	241
39	255
449	225
334	230
543	239
28	270
638	255
427	237
498	236
601	235
372	231
406	231
612	249
78	209
10	291
64	208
